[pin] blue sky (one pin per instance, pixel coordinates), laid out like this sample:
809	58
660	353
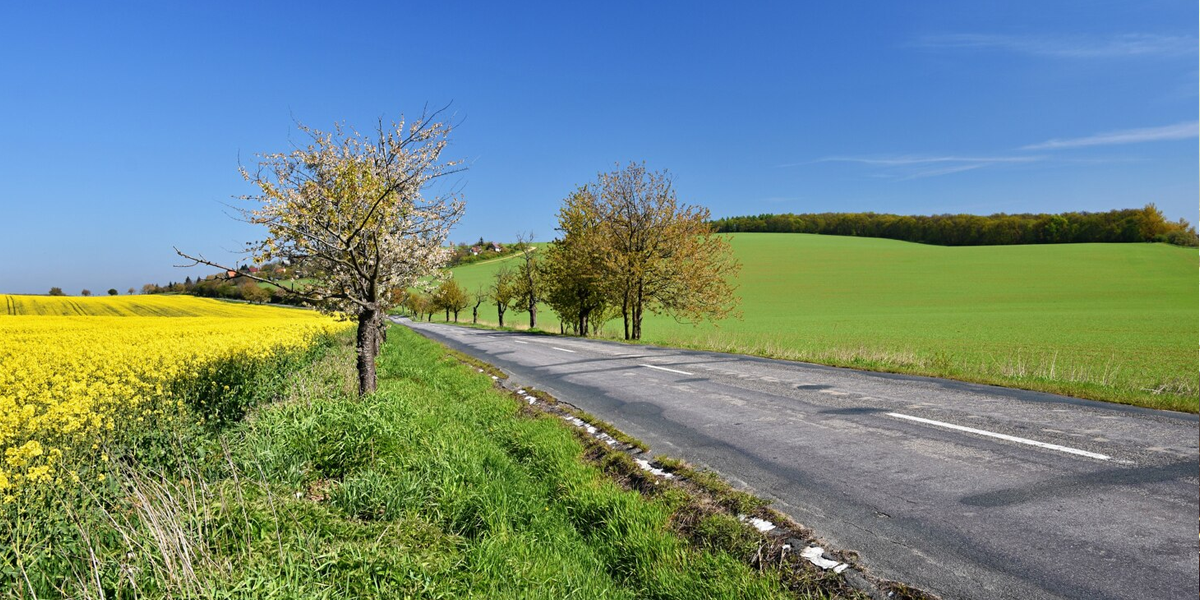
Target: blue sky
123	123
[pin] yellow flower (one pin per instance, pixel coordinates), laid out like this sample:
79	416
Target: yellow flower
70	383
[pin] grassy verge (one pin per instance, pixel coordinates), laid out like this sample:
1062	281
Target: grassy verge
711	514
439	485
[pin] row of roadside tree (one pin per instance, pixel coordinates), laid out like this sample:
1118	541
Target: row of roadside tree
626	247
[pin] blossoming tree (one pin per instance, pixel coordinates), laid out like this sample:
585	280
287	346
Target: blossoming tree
356	211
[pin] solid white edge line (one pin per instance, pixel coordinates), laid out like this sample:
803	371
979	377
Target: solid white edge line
563	349
666	369
1002	436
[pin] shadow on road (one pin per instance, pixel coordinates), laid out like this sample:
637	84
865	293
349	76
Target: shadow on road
1072	485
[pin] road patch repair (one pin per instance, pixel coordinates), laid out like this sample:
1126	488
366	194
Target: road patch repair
779	544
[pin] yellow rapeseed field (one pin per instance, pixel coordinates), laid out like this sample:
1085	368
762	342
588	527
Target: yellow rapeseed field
67	382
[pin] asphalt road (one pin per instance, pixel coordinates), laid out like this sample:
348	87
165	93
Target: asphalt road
1081	500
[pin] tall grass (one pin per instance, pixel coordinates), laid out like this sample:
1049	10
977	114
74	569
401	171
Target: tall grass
434	487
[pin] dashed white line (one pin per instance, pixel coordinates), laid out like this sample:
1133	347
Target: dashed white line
666	369
520	342
563	349
1001	436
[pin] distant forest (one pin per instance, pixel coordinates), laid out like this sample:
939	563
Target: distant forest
1126	225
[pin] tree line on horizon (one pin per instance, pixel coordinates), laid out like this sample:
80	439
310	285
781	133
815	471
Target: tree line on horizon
58	291
1146	224
236	285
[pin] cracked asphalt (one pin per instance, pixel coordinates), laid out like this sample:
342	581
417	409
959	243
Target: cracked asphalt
1081	500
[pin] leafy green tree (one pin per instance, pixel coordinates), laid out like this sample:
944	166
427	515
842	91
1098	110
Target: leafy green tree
451	297
528	286
112	291
250	291
503	291
416	304
57	291
659	255
574	266
85	292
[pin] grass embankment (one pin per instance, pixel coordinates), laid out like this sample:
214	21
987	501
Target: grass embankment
1113	322
436	486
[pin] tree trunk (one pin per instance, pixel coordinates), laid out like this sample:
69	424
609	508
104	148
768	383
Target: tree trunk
625	314
475	314
532	315
381	332
633	322
367	342
447	315
456	316
637	312
500	314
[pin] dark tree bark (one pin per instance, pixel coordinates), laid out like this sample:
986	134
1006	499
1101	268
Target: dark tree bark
367	341
625	314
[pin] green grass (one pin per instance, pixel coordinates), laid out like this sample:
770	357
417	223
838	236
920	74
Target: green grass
437	486
483	502
1111	322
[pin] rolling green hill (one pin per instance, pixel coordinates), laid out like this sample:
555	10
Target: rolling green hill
1107	321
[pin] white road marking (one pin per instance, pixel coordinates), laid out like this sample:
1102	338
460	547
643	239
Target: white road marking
563	349
1010	438
666	369
520	342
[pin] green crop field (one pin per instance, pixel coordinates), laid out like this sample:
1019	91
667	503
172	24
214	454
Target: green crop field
1105	321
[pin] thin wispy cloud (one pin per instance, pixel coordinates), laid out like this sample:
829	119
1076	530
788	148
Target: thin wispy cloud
1068	46
1178	131
906	160
907	167
943	171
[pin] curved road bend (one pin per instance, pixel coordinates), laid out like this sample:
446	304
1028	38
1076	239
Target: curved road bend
967	491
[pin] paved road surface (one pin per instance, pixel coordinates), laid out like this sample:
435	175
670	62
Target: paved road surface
1081	500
